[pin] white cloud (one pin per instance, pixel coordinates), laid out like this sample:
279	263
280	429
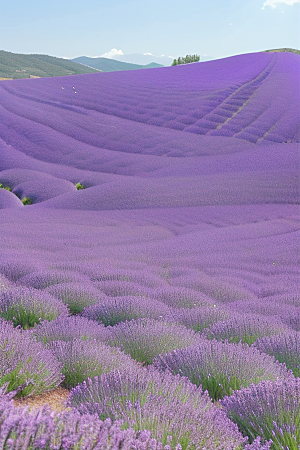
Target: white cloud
113	52
150	54
274	3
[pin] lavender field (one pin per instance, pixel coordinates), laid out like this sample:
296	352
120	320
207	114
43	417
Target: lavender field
150	257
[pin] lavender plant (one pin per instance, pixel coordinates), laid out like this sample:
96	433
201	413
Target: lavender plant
27	306
288	314
270	409
81	359
284	347
199	318
162	403
69	328
246	328
41	280
25	362
111	311
177	297
23	429
14	270
119	288
145	339
106	393
221	367
76	296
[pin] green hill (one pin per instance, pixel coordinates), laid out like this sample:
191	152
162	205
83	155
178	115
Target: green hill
111	65
292	50
15	65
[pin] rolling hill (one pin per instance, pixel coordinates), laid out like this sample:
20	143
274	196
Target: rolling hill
111	65
160	203
16	66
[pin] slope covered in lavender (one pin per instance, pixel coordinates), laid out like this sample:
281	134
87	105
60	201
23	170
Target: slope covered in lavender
190	196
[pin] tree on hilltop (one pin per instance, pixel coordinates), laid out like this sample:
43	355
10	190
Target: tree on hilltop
186	59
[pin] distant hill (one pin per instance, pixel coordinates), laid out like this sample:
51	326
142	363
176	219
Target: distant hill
111	65
15	65
292	50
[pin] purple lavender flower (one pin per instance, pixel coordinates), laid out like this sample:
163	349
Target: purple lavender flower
284	347
270	409
69	328
27	306
23	361
144	339
85	359
221	367
111	311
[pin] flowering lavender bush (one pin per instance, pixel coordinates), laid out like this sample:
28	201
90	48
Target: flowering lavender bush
199	318
245	328
25	362
27	306
69	328
76	296
14	270
22	429
221	367
111	391
270	409
141	277
41	280
181	297
144	339
164	404
120	309
118	288
284	347
83	359
288	314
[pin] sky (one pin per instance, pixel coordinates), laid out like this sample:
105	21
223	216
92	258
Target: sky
215	28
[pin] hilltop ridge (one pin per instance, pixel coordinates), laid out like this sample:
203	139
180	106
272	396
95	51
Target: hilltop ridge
17	65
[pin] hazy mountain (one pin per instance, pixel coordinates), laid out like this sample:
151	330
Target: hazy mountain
144	58
16	65
111	65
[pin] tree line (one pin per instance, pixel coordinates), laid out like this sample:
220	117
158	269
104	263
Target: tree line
186	59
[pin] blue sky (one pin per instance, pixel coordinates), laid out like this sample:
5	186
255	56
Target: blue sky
219	28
